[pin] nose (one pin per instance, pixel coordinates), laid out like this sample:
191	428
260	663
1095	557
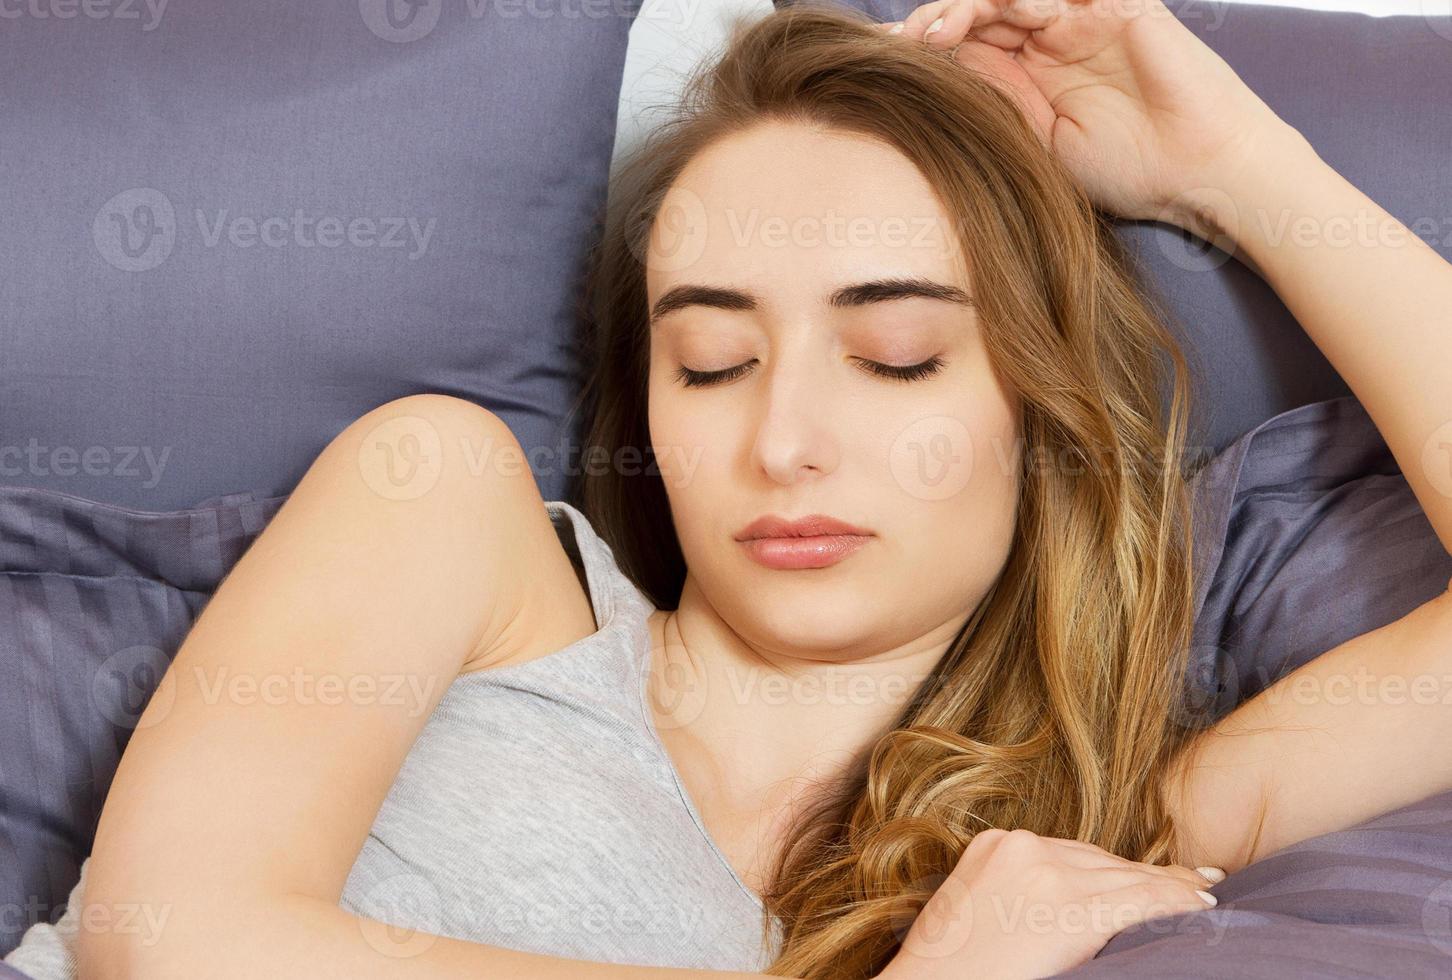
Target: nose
795	436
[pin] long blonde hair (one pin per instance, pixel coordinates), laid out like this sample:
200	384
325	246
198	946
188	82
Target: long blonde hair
1057	708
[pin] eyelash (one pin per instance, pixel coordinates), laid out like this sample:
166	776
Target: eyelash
912	372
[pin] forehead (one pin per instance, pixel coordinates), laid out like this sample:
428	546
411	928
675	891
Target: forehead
789	208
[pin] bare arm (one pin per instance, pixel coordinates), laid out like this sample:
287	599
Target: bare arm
1366	727
1359	731
1374	297
245	796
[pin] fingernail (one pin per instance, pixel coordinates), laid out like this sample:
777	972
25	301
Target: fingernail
933	27
1214	874
896	28
1207	897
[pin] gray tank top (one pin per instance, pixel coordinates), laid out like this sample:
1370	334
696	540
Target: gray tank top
539	810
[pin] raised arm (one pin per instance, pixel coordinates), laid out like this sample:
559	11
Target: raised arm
258	767
1373	296
1366	727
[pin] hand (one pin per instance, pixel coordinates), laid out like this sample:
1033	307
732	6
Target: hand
1142	112
1020	905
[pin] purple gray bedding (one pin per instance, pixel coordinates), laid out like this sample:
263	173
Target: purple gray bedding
1306	508
234	226
1371	901
1314	537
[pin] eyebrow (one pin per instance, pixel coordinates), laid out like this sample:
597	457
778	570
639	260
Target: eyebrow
857	294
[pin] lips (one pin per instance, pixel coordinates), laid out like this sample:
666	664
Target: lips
807	542
814	525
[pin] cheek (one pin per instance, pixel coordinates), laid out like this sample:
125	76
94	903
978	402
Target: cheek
685	443
954	491
961	459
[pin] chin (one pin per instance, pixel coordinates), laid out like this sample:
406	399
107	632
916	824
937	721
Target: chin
822	623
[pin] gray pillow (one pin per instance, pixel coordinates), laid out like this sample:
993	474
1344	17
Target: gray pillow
1370	93
95	600
234	226
1307	535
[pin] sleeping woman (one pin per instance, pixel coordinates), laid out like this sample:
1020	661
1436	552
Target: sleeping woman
871	626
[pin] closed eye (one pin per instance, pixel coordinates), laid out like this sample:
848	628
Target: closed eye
911	372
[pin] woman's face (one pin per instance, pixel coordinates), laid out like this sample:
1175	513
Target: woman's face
773	223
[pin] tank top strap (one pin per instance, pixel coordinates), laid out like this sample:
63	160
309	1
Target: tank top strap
602	673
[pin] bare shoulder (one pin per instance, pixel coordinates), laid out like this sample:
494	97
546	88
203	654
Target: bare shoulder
539	603
450	475
404	554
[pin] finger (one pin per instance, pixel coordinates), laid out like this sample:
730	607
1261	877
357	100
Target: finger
1173	872
1196	876
1000	35
1023	15
919	20
1138	901
1083	845
952	25
1092	856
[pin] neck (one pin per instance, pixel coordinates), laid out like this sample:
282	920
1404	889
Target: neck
758	725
